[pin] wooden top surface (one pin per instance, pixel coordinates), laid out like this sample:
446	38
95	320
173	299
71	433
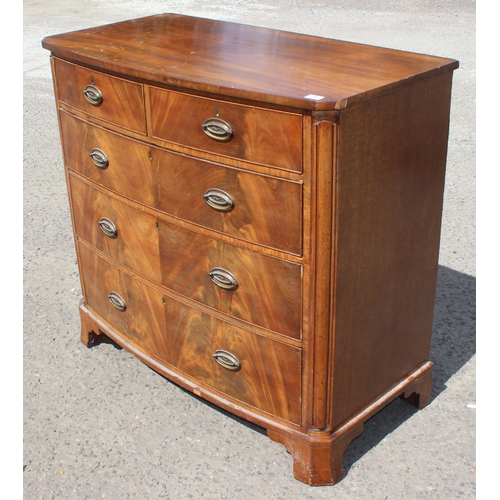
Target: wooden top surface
243	61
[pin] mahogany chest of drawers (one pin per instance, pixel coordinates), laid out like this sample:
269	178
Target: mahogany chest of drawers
257	216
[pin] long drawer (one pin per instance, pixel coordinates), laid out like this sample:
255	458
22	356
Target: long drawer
258	135
107	158
246	205
244	366
253	287
106	97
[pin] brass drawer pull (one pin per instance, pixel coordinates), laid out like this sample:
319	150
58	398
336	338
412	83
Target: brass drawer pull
117	301
108	227
218	200
227	360
93	95
218	129
99	158
223	278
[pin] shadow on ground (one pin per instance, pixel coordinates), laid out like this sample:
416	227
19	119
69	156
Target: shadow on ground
453	345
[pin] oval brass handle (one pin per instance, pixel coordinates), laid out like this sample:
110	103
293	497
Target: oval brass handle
223	278
108	227
217	129
93	95
99	158
227	360
218	200
117	301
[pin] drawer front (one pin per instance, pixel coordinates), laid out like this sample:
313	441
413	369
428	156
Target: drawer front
142	321
127	235
121	102
267	374
263	136
250	286
258	208
125	166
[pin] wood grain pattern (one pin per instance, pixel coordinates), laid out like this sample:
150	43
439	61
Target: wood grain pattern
269	289
266	210
129	171
122	100
178	118
245	61
270	375
186	339
143	321
136	244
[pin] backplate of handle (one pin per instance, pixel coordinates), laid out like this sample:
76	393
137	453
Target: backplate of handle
227	360
117	301
93	95
99	158
217	129
223	278
218	200
108	227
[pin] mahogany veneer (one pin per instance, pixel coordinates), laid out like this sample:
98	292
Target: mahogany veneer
257	216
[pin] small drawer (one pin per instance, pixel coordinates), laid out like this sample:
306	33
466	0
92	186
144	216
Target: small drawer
125	234
246	367
253	287
108	98
250	206
107	158
258	135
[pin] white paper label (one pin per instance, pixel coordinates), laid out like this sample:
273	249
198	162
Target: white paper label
314	97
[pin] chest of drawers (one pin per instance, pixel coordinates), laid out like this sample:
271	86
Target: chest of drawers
257	216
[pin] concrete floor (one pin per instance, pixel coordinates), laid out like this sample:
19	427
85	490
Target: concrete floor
98	424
